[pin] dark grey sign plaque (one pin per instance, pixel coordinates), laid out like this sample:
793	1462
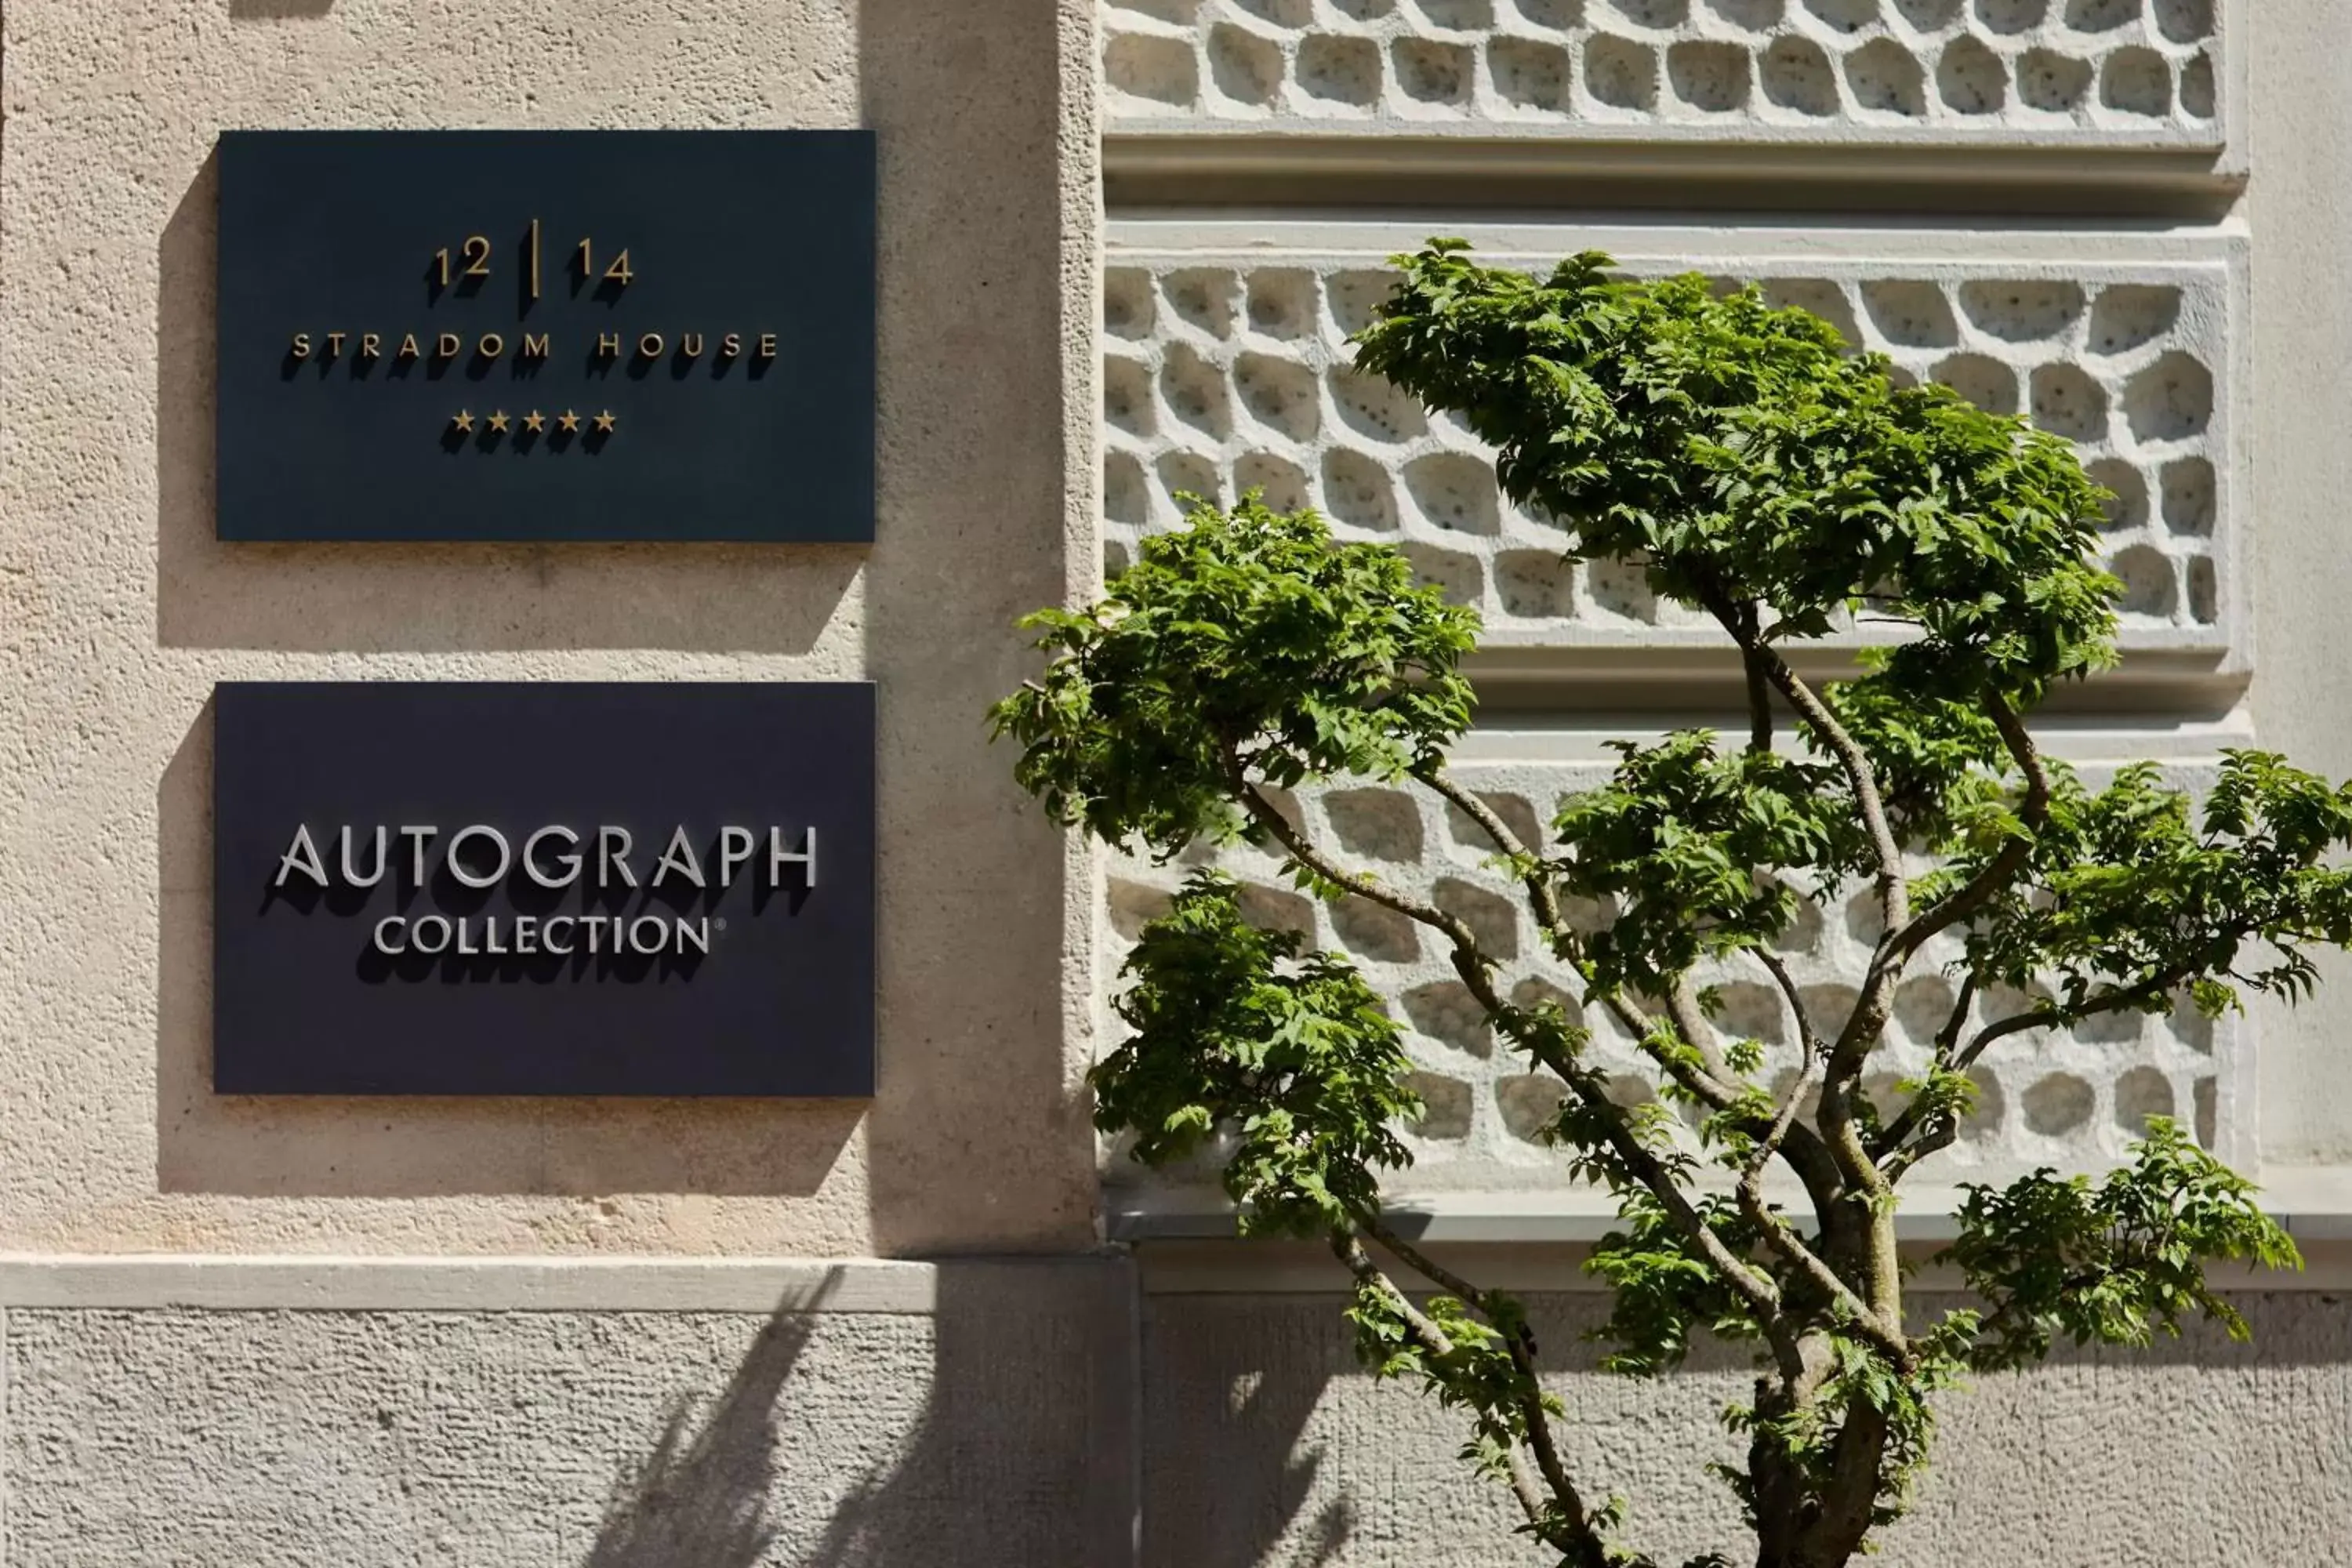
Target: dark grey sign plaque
543	889
547	335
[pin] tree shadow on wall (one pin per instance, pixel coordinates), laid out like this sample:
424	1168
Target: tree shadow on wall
1017	1455
1230	1468
699	1499
1268	1474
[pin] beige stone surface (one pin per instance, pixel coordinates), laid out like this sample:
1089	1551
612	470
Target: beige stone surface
2299	208
990	1430
119	610
1264	1444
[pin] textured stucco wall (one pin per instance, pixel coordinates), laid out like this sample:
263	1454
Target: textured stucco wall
119	610
987	1430
1264	1444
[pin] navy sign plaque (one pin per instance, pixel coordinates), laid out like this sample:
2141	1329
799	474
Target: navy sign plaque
543	889
546	335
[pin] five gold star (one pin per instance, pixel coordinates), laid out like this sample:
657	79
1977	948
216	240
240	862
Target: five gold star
568	422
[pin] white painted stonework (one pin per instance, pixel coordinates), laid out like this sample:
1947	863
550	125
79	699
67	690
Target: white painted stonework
2087	72
2073	1101
1226	369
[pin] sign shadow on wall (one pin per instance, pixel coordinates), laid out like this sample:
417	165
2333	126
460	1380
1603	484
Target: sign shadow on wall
432	597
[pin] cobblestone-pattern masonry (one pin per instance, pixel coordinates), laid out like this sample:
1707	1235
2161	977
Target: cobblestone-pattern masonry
2068	1100
2086	71
1225	373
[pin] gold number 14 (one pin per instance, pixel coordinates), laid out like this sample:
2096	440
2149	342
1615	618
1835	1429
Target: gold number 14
618	272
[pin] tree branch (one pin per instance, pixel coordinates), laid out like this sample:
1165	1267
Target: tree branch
1303	850
1518	1340
1762	1296
1894	896
1841	1131
2132	995
1540	894
1759	685
1808	1037
1420	1263
1710	1085
1805	1150
2033	811
1565	1528
1906	1156
1842	1067
1711	1081
1868	1020
1713	1086
1947	1040
1785	1243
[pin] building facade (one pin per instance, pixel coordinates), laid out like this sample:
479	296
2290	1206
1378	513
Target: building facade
1118	246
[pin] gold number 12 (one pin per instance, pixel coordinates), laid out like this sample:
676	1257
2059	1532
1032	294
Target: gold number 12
476	257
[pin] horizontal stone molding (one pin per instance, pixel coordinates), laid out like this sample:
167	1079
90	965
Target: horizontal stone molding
1178	1221
2096	73
1251	166
347	1284
1226	369
1186	1240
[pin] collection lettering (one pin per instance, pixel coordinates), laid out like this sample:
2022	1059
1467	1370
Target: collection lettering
553	857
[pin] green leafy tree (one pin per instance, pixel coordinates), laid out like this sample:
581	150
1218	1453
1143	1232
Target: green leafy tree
1764	477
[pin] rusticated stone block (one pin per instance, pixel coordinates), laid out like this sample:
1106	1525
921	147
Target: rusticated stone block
2074	1100
2120	73
1227	372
